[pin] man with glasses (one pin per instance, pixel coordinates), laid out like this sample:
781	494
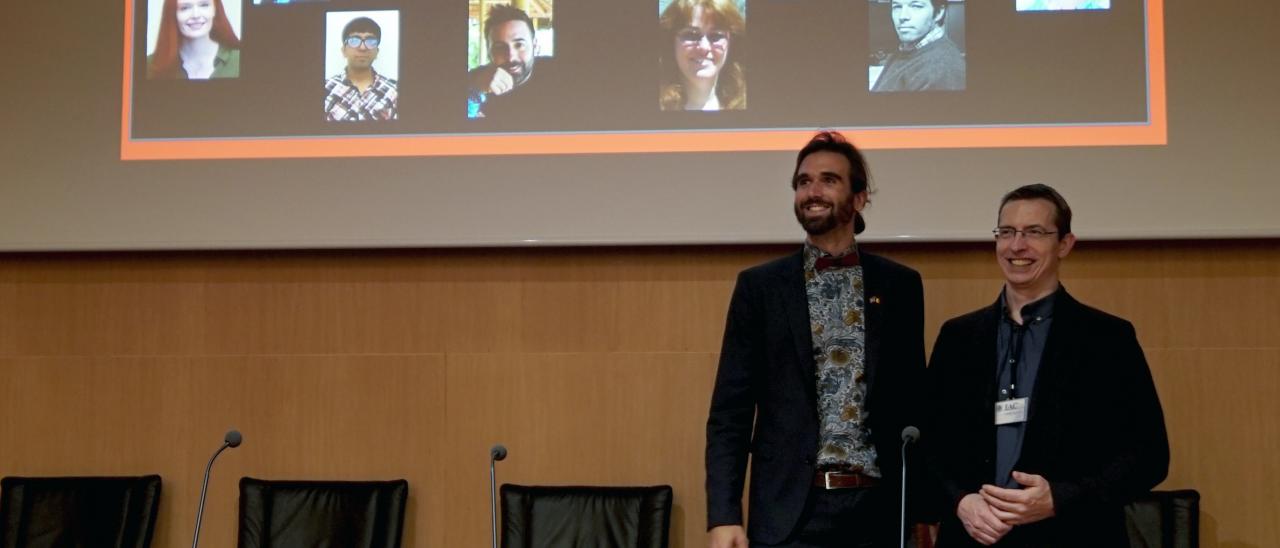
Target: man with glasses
820	371
359	92
1044	420
506	86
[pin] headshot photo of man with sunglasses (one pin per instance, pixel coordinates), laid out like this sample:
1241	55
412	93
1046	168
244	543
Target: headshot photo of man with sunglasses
700	64
359	92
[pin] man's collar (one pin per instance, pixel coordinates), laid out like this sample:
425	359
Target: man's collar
1035	311
346	76
934	35
812	253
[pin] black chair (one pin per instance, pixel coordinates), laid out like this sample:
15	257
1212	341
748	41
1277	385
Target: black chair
586	517
322	514
1165	519
74	512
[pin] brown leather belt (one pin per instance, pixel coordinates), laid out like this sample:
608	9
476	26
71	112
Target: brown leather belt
843	480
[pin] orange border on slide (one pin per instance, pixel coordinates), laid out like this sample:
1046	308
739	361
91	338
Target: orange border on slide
1154	132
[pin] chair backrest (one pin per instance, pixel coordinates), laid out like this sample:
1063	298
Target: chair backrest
1165	519
582	517
322	514
73	512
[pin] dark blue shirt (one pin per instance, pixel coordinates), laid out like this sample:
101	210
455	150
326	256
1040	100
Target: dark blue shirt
1018	352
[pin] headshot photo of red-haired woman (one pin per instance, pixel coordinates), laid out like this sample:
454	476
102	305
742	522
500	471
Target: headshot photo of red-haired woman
193	39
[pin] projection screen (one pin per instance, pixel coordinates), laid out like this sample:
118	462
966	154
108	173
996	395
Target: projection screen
344	123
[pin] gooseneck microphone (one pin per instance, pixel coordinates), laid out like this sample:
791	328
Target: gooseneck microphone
910	435
496	453
232	439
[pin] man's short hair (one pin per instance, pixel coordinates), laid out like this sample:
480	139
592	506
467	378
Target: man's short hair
505	14
1037	191
362	25
859	178
940	5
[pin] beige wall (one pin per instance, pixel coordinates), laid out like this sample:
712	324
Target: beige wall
592	365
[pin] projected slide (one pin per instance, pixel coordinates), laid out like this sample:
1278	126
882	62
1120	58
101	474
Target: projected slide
264	79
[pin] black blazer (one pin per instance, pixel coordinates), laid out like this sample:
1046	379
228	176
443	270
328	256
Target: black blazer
1095	428
765	398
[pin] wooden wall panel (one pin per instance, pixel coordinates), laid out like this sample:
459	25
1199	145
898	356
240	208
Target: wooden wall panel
592	365
569	316
347	317
319	417
108	319
577	419
672	316
1221	408
8	311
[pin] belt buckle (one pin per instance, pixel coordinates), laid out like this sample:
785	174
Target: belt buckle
826	479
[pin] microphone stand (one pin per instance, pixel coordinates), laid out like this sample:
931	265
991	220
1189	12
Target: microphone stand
204	490
493	504
496	453
902	511
910	435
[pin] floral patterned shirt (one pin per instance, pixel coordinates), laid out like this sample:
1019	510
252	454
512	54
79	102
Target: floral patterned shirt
838	325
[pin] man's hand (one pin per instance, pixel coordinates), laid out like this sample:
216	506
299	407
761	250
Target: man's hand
980	521
728	536
493	80
1021	506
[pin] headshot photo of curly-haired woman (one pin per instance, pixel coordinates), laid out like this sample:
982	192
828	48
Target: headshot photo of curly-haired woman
700	49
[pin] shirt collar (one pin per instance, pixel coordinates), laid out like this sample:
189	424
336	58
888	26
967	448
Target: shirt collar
1033	312
223	57
812	253
346	79
933	36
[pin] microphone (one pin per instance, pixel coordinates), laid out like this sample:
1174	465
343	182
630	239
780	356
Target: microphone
496	453
232	439
910	435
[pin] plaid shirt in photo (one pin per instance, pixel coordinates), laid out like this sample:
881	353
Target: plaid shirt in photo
345	103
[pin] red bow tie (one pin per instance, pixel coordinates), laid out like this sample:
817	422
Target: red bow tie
846	261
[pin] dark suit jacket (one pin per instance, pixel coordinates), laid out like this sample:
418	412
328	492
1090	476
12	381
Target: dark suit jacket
765	398
1095	429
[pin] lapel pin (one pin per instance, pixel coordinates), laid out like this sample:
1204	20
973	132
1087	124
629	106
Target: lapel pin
875	299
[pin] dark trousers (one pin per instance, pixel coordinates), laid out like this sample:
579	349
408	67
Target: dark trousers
844	518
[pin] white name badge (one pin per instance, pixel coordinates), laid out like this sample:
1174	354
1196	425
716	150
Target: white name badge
1011	411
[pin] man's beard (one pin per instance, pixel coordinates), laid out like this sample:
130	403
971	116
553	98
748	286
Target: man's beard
526	70
839	214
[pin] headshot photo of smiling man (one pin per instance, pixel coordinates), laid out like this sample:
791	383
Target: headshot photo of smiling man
925	56
519	77
357	91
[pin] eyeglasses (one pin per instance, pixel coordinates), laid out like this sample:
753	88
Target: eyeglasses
1033	233
370	42
692	36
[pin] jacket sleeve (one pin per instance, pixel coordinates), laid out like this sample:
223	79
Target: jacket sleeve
733	407
913	396
944	489
1139	442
